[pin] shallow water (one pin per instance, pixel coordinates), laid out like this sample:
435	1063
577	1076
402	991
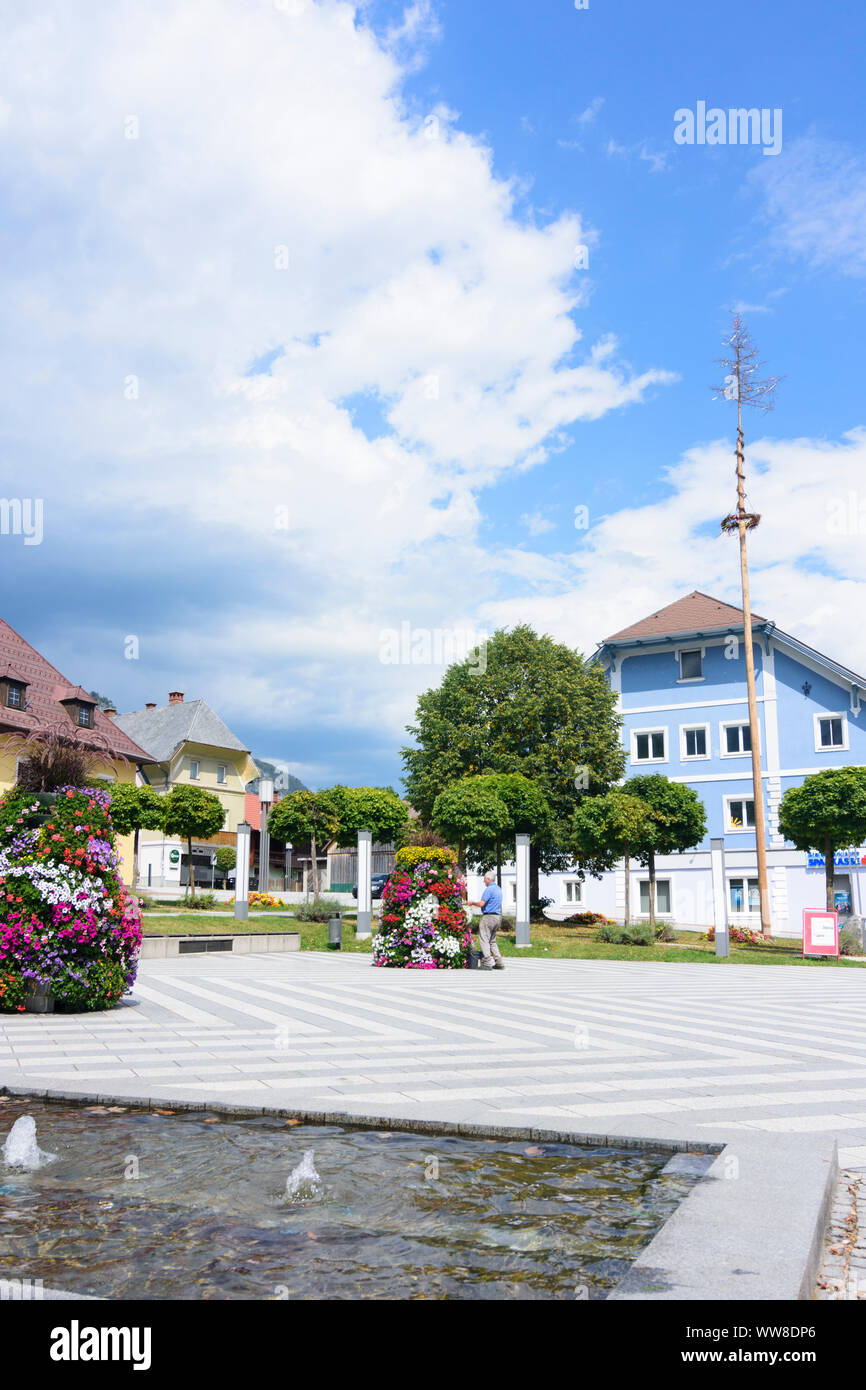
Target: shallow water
193	1205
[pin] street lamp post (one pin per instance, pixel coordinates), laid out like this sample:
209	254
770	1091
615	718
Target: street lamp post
242	873
266	797
364	925
521	925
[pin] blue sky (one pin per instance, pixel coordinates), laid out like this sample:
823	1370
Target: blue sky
297	351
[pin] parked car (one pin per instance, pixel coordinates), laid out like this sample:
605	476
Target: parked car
377	883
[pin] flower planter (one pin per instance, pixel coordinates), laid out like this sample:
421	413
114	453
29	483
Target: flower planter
38	999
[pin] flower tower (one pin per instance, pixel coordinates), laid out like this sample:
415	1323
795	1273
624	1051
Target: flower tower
67	923
424	925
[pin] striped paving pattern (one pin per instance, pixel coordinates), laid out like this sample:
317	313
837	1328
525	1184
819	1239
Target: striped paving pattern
615	1048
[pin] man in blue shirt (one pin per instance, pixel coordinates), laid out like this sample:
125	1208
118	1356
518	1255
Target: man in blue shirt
491	921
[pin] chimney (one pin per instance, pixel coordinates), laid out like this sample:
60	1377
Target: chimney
175	697
151	705
111	712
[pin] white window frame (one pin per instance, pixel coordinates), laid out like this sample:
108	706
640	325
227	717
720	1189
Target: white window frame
221	768
655	729
738	829
659	913
726	724
690	680
836	747
744	878
695	757
194	763
577	901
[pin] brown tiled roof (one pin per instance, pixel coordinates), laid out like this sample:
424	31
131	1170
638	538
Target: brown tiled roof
696	612
46	687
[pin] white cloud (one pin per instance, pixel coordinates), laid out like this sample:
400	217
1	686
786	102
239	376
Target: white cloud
814	202
195	184
587	116
807	557
536	523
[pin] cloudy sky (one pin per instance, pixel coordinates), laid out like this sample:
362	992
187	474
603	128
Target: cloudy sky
300	348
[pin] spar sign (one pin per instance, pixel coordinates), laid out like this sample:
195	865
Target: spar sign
820	933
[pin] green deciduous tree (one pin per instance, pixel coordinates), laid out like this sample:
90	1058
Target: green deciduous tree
226	859
826	813
303	815
536	708
472	816
192	811
377	809
134	809
608	828
677	822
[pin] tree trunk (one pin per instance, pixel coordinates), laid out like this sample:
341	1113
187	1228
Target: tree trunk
191	869
499	862
652	888
135	860
627	890
829	872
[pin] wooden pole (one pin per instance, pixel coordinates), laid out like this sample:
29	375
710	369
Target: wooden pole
754	727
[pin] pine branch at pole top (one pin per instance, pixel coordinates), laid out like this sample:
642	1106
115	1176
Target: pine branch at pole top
744	385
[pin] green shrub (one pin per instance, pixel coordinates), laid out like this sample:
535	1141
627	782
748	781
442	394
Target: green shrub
202	902
665	932
410	856
319	910
615	935
850	943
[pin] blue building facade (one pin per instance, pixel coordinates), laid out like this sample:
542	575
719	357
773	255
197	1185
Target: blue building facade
680	677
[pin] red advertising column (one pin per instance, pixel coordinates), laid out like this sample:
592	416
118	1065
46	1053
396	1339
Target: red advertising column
820	933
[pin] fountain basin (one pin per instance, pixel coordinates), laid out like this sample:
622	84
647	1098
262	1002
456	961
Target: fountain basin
194	1205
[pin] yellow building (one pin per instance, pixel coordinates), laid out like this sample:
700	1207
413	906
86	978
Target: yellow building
187	743
36	699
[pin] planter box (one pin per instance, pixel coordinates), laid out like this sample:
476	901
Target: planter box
246	943
39	1000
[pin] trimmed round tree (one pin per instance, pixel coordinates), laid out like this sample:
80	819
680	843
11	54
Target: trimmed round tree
304	815
134	809
677	821
377	809
67	922
826	813
423	925
191	811
473	816
608	828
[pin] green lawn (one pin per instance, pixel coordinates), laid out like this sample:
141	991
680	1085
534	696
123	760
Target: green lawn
550	941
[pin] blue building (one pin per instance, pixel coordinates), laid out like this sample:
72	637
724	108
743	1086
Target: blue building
680	676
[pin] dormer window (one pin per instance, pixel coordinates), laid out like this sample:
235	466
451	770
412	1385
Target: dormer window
81	710
13	690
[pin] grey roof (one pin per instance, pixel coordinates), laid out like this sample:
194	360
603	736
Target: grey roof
162	730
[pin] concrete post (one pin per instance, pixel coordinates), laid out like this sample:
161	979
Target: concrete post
364	929
521	935
242	873
720	902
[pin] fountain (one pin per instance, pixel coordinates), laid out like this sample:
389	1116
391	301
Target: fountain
303	1180
21	1149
